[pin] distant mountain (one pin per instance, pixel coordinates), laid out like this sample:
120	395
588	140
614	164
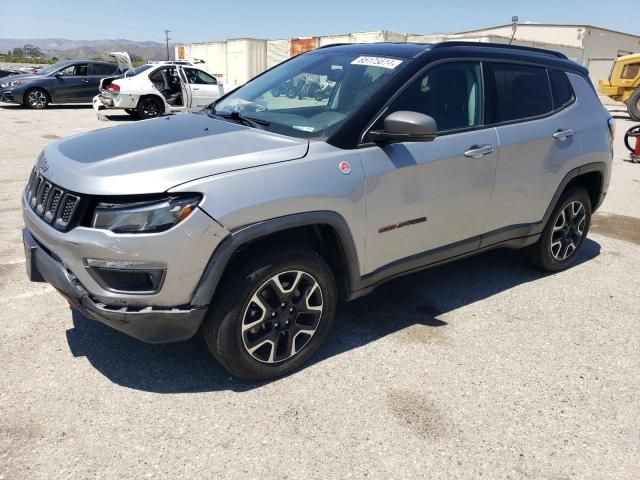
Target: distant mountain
64	48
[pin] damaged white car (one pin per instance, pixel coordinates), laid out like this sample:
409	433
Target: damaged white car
153	90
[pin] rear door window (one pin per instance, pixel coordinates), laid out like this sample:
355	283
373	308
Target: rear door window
102	69
560	88
519	91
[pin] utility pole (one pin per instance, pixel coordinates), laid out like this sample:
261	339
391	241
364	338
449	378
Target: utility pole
166	35
514	27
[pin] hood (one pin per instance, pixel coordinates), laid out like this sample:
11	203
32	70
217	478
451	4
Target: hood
152	156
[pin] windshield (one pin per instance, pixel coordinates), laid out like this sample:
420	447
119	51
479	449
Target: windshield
310	95
52	68
132	72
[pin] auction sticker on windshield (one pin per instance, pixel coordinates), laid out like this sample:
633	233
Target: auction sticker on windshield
390	63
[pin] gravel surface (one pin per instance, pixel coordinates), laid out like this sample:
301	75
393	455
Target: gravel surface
483	367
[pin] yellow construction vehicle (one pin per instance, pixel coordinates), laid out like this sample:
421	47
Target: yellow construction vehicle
624	83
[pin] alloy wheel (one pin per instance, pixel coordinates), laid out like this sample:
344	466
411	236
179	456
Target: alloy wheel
568	230
37	99
150	109
282	316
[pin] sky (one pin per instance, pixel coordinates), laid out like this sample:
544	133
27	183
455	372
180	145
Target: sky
200	20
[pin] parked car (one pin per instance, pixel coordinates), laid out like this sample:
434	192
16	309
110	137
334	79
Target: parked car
5	72
157	89
253	218
72	81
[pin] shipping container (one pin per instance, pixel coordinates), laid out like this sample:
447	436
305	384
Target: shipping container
377	36
301	45
198	50
332	39
394	37
217	60
246	58
277	51
426	38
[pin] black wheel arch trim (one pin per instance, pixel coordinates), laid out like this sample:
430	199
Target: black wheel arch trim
229	246
599	167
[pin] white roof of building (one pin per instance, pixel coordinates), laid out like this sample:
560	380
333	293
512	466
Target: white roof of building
559	25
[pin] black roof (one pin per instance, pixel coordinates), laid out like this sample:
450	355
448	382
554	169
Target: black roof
445	49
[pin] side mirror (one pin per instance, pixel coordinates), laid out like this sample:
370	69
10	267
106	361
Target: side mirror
57	75
405	126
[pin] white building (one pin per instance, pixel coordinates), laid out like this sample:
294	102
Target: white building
594	47
238	60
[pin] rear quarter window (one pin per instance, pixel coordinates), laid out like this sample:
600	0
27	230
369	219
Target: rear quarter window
560	88
519	92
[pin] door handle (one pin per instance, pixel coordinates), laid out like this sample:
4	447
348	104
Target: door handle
563	134
84	80
194	89
479	151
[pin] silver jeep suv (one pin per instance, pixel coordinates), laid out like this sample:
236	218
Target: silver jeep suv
315	182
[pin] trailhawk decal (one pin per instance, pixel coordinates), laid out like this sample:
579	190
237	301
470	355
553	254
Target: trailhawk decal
389	63
406	223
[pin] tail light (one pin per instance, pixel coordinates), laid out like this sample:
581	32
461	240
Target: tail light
114	88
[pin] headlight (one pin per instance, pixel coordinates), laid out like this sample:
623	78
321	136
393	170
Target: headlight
15	83
144	216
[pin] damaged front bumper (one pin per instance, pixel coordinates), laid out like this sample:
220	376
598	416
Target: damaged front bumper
148	324
101	102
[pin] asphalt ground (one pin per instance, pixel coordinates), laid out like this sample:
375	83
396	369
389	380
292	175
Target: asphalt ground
480	368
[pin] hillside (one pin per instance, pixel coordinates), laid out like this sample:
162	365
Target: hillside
64	48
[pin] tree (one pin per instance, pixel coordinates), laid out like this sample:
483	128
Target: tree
54	59
32	51
18	52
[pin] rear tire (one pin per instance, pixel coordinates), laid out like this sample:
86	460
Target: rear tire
251	333
564	233
36	98
150	107
633	105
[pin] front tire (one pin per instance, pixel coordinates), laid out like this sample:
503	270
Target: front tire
36	98
272	313
150	107
564	233
633	105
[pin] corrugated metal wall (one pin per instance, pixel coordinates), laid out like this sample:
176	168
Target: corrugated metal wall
301	45
277	52
246	58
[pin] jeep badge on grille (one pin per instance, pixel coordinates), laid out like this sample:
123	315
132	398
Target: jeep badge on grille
43	165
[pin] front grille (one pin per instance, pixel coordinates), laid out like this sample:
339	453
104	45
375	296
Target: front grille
57	206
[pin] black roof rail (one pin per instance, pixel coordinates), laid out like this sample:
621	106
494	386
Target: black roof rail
457	43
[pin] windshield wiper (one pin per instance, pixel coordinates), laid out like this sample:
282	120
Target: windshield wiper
249	121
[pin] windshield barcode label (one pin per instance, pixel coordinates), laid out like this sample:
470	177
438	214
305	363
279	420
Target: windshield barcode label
390	63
